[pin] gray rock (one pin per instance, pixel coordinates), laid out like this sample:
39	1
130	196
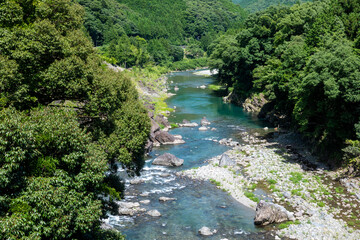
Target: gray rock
154	213
225	160
205	231
136	181
165	199
106	226
165	175
203	128
188	124
145	201
204	122
267	213
164	137
287	195
144	194
168	159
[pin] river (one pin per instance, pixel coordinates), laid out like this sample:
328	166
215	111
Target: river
198	204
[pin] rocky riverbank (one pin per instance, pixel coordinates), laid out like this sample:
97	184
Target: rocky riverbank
323	208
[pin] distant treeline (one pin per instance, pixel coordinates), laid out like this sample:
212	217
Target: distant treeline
138	32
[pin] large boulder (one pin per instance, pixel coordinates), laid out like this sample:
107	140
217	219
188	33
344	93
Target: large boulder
168	159
164	137
267	213
225	160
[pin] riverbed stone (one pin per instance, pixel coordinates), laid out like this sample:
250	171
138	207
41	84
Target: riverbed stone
267	213
203	128
146	201
205	231
168	159
136	181
204	122
165	199
225	160
154	213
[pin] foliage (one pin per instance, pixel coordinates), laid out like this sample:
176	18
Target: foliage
65	121
305	59
139	32
258	5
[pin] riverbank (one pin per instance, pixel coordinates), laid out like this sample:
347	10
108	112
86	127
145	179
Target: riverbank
292	177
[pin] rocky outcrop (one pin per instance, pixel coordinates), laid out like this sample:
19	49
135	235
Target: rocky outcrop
225	160
158	137
168	159
267	213
254	103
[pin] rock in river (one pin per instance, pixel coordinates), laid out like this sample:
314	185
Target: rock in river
165	199
154	213
204	122
267	213
205	231
168	159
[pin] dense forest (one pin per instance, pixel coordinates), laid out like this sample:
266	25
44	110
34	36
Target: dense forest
305	59
64	121
140	32
258	5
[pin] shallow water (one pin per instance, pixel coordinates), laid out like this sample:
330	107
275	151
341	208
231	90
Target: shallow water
198	204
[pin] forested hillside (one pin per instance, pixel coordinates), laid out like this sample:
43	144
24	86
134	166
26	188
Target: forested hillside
137	32
258	5
64	120
306	60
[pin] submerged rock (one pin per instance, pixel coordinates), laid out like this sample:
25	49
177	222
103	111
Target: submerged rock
154	213
165	199
225	160
267	213
167	159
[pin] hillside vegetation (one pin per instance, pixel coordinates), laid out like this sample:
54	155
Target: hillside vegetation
258	5
140	32
64	121
306	61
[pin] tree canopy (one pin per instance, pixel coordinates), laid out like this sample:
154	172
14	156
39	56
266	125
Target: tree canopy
305	59
65	120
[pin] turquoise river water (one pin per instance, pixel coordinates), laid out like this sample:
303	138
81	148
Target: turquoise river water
198	203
